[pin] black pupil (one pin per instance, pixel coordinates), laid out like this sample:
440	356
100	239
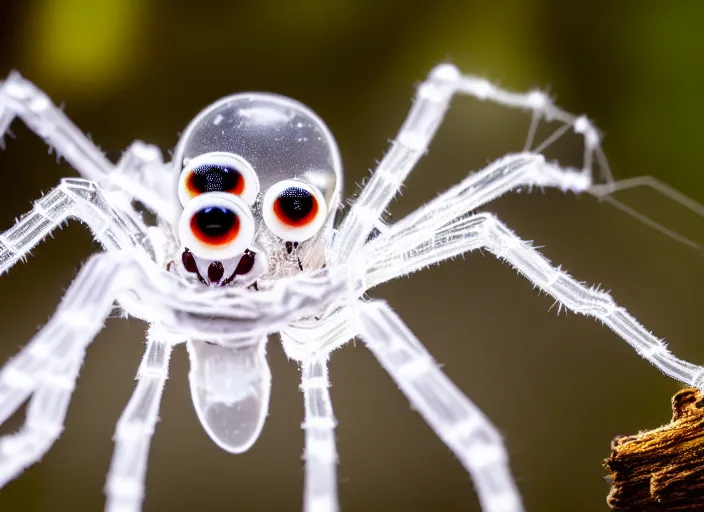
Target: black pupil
215	221
215	178
295	203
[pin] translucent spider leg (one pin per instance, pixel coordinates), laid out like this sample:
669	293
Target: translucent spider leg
112	229
50	363
141	170
45	419
311	342
485	231
452	240
320	493
435	231
430	105
140	174
73	198
479	188
498	239
21	98
125	481
432	100
457	421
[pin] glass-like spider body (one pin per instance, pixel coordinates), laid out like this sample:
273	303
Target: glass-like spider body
245	246
257	173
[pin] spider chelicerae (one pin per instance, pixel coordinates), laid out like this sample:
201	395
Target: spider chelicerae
244	245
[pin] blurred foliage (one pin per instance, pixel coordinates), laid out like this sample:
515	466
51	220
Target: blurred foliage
638	65
84	44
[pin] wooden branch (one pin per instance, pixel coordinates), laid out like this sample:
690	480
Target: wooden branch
663	469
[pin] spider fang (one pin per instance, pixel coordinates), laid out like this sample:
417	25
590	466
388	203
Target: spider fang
215	271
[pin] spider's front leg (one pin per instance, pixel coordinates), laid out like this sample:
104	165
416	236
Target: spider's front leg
21	98
320	493
430	105
135	428
498	239
79	199
45	417
502	176
311	342
485	231
141	171
49	365
50	362
457	420
115	230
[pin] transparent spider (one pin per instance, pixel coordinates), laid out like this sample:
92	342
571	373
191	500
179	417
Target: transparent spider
244	246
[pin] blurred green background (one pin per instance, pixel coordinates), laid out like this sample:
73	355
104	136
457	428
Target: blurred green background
559	387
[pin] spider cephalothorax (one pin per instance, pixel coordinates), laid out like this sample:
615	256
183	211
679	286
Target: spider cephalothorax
259	179
255	183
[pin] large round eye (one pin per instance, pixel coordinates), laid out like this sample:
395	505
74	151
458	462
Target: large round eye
294	210
218	172
216	226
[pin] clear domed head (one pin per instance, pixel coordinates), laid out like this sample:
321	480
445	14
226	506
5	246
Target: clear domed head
259	179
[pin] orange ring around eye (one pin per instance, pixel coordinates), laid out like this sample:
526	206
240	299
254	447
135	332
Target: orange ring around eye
214	178
218	172
294	210
296	207
215	225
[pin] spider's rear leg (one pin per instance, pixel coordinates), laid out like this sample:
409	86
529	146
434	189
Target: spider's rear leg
453	416
49	364
125	481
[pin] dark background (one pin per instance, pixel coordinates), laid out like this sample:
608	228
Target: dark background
559	387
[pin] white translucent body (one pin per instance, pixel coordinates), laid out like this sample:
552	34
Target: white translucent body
225	329
230	390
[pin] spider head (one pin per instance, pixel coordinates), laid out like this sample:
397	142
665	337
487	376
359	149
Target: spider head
259	178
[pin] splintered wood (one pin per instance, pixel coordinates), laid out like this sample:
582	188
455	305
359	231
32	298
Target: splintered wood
663	469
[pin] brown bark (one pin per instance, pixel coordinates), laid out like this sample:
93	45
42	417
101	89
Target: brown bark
663	469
